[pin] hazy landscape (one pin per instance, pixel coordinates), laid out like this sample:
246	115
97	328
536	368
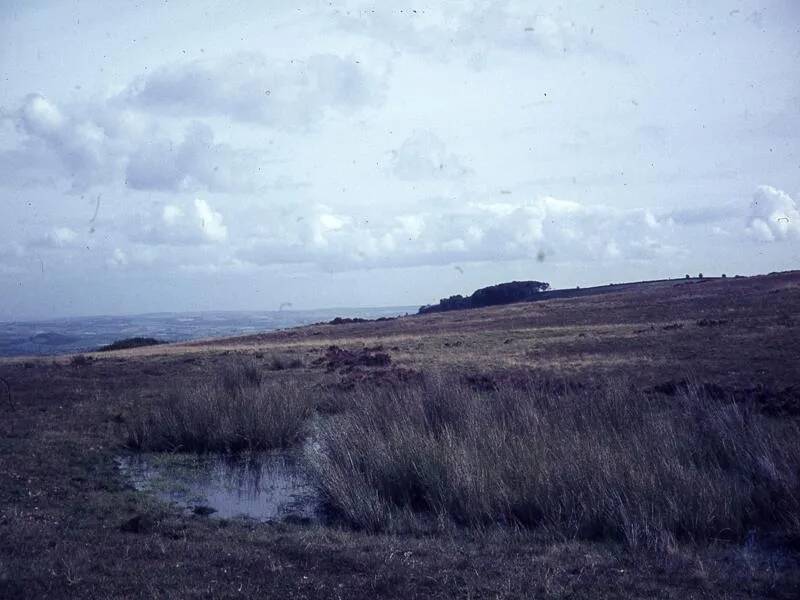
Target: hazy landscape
80	334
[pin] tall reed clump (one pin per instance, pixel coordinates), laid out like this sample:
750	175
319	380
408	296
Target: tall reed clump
609	464
238	410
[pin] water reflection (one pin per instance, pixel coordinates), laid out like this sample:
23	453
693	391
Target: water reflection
262	486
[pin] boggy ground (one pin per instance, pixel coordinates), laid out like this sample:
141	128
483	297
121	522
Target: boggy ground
71	526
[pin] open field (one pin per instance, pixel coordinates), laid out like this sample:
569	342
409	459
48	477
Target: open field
722	353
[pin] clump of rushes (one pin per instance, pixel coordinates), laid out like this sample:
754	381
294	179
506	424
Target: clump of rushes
606	464
237	411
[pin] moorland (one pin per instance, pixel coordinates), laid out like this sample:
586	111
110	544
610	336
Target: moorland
633	441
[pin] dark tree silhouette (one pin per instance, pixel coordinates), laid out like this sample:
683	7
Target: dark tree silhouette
502	293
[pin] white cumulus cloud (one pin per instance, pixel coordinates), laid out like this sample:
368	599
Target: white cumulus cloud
469	232
196	162
211	224
118	259
56	143
454	30
96	145
177	225
774	215
424	156
57	237
288	94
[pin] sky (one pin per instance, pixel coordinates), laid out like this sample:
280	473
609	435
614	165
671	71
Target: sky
185	156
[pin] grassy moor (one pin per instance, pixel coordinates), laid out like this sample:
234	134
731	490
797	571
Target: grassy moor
637	440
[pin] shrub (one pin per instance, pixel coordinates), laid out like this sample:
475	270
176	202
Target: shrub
80	360
241	373
502	293
127	343
346	320
279	363
610	464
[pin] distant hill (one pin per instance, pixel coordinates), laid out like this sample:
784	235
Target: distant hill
502	293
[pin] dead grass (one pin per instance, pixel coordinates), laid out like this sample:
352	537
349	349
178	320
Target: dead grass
607	464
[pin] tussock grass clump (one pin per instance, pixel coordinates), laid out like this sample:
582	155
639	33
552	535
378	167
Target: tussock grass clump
608	464
280	363
242	373
237	411
80	360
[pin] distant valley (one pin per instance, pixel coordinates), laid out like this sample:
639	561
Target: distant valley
81	334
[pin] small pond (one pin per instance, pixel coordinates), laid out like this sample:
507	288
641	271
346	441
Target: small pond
261	486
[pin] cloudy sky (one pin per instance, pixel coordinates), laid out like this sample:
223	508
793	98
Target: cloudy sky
161	156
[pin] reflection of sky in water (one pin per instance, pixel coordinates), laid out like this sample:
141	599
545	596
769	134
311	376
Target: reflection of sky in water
264	486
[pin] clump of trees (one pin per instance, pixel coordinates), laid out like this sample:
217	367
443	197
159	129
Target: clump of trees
502	293
128	343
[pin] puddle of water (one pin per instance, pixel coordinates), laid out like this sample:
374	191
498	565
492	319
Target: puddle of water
261	486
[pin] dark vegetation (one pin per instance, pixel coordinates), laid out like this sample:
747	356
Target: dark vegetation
607	463
128	343
239	411
8	395
766	399
349	320
502	293
341	358
691	464
711	322
458	302
280	363
80	360
346	320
